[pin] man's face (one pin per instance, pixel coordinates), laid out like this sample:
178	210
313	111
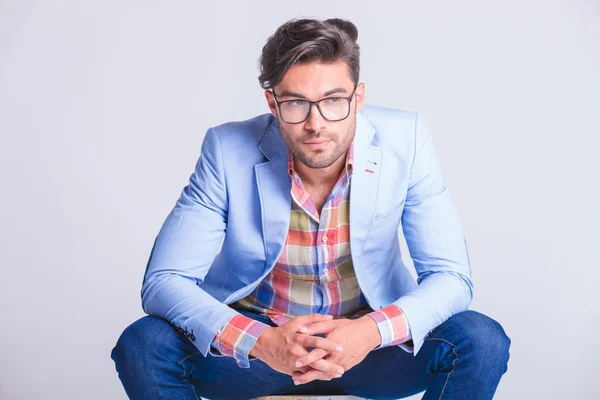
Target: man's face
317	142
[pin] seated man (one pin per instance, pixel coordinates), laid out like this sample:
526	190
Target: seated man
279	270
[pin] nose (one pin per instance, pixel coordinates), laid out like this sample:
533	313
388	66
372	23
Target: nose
315	121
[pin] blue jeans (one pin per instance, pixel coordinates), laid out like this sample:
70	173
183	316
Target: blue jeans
463	358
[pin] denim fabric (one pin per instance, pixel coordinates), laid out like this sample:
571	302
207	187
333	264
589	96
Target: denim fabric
463	358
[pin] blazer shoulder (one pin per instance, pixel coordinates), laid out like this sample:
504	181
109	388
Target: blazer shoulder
242	137
384	118
244	129
394	129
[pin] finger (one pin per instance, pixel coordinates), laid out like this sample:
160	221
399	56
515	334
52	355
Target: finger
315	360
302	320
318	342
311	357
311	376
297	374
328	367
320	327
300	371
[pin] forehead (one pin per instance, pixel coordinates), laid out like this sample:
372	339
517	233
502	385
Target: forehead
314	79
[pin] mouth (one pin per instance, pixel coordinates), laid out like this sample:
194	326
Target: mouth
317	144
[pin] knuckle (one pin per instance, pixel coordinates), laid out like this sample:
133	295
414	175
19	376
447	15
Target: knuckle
295	351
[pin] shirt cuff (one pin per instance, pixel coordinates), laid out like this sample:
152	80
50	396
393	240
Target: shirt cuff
392	324
237	337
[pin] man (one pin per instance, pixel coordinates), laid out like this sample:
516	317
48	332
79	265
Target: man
279	270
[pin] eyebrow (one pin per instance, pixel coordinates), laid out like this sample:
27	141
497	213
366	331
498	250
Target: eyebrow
287	93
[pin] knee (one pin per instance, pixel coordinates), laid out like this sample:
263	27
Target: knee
484	337
139	339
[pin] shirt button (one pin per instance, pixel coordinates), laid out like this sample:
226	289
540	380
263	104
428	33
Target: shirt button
325	239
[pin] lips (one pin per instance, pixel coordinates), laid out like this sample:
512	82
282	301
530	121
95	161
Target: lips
317	144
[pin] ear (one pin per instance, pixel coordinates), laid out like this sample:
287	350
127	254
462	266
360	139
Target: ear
360	96
271	102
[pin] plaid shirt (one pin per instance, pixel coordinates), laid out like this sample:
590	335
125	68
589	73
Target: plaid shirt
314	274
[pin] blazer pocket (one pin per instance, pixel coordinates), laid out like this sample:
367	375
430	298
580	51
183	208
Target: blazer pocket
388	219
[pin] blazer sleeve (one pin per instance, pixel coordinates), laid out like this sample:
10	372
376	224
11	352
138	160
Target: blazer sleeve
184	250
436	244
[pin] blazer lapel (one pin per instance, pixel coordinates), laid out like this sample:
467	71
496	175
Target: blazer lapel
365	183
274	190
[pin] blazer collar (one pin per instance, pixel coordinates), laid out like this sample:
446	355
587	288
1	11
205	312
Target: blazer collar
272	144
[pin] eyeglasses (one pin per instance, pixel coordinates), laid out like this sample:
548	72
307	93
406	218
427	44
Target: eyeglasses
331	108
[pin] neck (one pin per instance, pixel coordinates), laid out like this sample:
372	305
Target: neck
320	176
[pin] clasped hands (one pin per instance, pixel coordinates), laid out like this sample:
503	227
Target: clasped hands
286	348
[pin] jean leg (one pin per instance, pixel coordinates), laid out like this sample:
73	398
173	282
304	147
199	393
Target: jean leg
156	362
147	357
218	377
387	373
471	357
463	358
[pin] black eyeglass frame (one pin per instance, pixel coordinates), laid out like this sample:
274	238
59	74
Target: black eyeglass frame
318	103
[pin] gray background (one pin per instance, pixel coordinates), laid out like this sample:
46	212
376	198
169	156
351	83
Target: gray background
103	108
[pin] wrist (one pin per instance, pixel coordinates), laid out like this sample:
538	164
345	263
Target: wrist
261	343
373	335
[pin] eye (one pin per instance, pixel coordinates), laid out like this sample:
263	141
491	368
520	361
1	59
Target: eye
332	101
296	103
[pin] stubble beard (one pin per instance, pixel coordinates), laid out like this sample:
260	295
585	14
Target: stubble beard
317	159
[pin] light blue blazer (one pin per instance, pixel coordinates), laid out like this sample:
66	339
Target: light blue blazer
229	225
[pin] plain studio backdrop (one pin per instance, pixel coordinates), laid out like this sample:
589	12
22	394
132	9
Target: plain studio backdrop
104	106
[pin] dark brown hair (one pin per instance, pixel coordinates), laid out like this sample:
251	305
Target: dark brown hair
300	41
